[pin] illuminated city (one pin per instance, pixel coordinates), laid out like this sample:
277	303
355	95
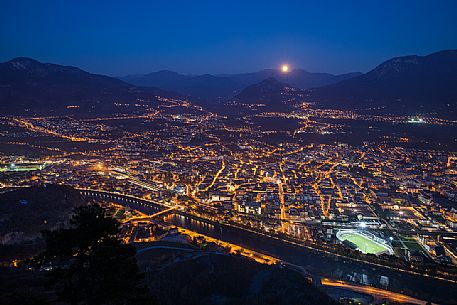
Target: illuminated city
258	170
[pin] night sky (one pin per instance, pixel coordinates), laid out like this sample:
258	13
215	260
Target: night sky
125	37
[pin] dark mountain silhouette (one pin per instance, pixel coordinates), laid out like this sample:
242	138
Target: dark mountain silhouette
202	86
223	86
28	84
408	85
270	94
298	78
224	279
23	213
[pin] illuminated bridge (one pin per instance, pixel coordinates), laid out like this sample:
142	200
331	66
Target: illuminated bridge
141	204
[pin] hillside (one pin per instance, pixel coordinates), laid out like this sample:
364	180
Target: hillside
176	279
27	85
24	213
406	85
222	279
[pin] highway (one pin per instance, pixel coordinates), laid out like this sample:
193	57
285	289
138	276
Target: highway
378	294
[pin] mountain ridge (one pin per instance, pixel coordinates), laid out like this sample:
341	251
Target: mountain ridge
27	84
221	87
408	84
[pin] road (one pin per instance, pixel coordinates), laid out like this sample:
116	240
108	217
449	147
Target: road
378	294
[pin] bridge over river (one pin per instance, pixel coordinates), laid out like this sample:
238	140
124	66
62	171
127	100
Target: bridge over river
150	206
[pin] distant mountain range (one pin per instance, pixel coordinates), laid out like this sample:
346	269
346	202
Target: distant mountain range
407	85
26	84
221	87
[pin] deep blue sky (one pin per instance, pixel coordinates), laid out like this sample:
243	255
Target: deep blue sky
123	37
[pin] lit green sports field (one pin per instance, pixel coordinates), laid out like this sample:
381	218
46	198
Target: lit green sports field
363	243
21	167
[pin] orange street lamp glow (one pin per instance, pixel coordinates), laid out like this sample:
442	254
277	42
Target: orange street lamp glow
285	68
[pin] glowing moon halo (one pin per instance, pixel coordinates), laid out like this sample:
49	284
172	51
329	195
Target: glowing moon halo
285	68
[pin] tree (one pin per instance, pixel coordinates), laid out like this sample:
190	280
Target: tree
89	262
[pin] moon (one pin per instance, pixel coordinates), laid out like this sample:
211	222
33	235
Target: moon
285	68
